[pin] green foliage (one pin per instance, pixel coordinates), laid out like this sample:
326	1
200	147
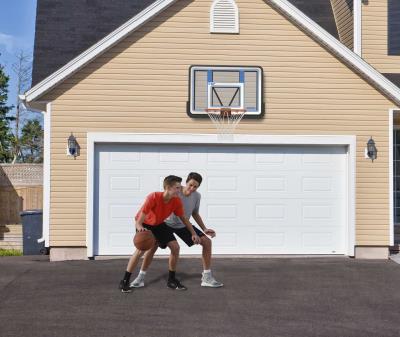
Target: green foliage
32	142
6	136
10	252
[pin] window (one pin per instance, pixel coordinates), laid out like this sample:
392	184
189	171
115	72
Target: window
224	17
393	27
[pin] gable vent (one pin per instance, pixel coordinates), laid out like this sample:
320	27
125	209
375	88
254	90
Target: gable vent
224	17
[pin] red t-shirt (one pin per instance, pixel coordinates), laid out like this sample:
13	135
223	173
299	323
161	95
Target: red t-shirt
157	210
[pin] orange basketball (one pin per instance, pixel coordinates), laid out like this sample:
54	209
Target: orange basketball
144	240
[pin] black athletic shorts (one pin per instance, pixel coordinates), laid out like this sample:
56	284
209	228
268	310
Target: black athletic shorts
186	236
162	233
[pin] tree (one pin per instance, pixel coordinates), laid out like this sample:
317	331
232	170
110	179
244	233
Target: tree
6	136
22	69
32	142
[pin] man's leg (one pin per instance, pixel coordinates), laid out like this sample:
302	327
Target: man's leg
206	254
148	258
173	283
207	279
174	256
133	261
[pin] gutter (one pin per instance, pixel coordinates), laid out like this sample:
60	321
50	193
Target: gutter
46	166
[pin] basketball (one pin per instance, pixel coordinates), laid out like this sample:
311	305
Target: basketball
144	240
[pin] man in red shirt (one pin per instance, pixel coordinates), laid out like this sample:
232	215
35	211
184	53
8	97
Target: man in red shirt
157	207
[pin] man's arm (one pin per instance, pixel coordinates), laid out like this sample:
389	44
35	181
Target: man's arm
199	221
139	222
189	226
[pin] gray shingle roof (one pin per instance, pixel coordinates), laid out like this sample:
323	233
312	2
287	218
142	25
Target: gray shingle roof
393	77
320	11
64	29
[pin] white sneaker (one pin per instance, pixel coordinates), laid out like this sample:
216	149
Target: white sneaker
138	282
208	280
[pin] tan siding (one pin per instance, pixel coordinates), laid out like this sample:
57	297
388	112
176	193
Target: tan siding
375	37
344	21
141	85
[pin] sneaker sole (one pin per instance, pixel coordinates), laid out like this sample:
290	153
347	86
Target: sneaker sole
140	285
137	285
179	289
211	286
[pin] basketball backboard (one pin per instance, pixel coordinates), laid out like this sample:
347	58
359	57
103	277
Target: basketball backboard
215	87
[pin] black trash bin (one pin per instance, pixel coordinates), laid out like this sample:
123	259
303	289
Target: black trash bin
32	223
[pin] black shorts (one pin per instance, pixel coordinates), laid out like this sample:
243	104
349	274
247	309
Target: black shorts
186	236
162	233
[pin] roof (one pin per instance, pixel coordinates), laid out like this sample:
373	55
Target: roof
319	11
292	13
393	77
64	29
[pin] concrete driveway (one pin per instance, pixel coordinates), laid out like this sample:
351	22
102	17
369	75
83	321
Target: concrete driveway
262	297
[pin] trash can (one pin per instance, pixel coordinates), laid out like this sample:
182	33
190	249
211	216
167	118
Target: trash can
32	223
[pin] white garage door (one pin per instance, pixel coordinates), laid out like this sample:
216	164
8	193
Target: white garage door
259	199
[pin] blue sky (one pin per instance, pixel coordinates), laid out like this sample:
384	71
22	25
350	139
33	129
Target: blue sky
17	32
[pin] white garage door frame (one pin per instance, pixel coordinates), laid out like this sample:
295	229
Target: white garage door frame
349	141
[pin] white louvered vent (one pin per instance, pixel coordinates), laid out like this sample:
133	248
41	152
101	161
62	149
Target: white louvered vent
224	17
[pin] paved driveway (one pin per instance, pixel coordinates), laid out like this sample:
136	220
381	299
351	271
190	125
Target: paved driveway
262	297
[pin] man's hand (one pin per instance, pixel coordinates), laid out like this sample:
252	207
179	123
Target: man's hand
210	232
140	228
196	239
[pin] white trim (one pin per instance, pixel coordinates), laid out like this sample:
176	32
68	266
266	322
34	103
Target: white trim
91	140
326	39
391	196
97	49
46	173
351	202
150	138
357	27
224	29
225	85
293	13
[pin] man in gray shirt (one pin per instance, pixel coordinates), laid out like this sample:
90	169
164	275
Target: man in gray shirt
191	204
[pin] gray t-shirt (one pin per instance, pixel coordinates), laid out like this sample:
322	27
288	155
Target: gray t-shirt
191	204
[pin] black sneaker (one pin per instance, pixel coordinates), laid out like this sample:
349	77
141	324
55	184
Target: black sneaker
175	284
125	287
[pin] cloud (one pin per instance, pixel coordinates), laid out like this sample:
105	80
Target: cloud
8	41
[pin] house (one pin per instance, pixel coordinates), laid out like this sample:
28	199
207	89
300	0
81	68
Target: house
296	177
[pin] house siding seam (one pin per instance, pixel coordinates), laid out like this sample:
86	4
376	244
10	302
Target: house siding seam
141	85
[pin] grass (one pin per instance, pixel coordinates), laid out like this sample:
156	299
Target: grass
10	252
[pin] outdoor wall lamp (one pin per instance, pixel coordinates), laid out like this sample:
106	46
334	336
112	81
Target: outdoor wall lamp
72	146
371	149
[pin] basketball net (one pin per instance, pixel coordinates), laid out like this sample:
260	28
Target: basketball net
225	120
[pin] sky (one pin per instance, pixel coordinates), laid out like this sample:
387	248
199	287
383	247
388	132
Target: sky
17	32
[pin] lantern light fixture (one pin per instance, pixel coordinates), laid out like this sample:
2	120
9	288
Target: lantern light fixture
372	152
72	146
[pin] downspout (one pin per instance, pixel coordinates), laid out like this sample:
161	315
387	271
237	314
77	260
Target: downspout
357	26
46	169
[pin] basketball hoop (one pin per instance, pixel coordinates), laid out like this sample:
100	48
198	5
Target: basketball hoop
225	120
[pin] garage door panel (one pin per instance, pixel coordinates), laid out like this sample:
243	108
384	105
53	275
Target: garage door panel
259	199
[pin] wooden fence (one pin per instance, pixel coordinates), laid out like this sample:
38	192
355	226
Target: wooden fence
20	189
14	200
